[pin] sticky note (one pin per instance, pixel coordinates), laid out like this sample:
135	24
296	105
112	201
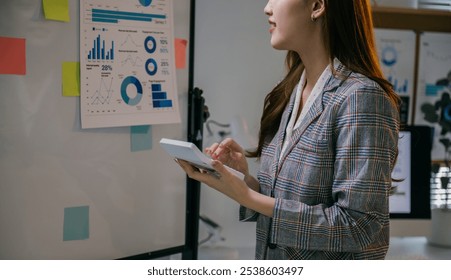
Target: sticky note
76	223
12	56
56	10
71	78
180	53
140	138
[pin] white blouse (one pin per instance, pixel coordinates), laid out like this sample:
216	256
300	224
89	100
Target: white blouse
294	124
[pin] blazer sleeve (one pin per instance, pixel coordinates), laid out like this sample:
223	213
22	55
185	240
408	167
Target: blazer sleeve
366	136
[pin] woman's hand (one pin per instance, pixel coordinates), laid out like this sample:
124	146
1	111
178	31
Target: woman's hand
225	182
245	192
229	153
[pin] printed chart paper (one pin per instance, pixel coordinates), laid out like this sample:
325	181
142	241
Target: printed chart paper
396	50
127	63
433	103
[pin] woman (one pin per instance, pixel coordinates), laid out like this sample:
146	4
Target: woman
327	142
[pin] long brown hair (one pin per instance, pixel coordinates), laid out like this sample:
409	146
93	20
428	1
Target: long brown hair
349	36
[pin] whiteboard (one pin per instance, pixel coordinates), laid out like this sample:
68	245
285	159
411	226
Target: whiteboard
48	164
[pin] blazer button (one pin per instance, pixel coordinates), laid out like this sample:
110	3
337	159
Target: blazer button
272	246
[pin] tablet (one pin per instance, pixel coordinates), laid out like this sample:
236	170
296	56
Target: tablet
189	152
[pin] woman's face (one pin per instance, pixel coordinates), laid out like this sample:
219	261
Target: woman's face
290	23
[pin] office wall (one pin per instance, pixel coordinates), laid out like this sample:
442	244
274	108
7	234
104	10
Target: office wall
136	200
236	67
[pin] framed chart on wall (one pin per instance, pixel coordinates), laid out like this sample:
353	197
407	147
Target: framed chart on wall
396	50
433	101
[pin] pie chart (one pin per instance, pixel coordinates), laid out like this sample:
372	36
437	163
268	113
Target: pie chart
145	3
128	83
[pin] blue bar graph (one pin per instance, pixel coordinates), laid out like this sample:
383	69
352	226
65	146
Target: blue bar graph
162	103
110	16
434	90
160	98
398	85
159	95
99	52
156	87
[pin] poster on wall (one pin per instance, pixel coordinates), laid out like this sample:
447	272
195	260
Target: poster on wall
433	104
127	63
396	51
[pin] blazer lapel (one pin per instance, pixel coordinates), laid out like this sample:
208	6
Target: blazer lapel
280	136
315	110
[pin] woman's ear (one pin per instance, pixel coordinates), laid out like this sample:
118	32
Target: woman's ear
318	9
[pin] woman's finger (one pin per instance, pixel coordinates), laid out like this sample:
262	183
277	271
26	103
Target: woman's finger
226	147
232	145
210	150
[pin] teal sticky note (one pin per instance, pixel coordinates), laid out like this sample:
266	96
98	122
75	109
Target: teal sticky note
140	138
76	223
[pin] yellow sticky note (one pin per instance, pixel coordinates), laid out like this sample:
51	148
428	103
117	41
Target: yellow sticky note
71	78
56	10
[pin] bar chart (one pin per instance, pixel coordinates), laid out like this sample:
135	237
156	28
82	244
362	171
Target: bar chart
99	51
112	16
401	86
159	97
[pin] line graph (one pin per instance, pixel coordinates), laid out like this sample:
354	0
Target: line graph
135	62
103	95
129	42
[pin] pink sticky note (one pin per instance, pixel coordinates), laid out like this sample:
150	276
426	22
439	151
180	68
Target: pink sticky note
12	56
180	53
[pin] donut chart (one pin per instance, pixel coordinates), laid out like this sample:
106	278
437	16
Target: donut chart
145	3
151	67
389	56
130	80
150	44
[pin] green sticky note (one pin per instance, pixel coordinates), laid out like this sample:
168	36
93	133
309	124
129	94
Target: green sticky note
76	223
71	78
140	138
56	10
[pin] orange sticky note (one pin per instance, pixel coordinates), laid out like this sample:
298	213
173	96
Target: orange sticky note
12	56
180	53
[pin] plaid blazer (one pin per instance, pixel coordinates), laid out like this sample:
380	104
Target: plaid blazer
332	184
